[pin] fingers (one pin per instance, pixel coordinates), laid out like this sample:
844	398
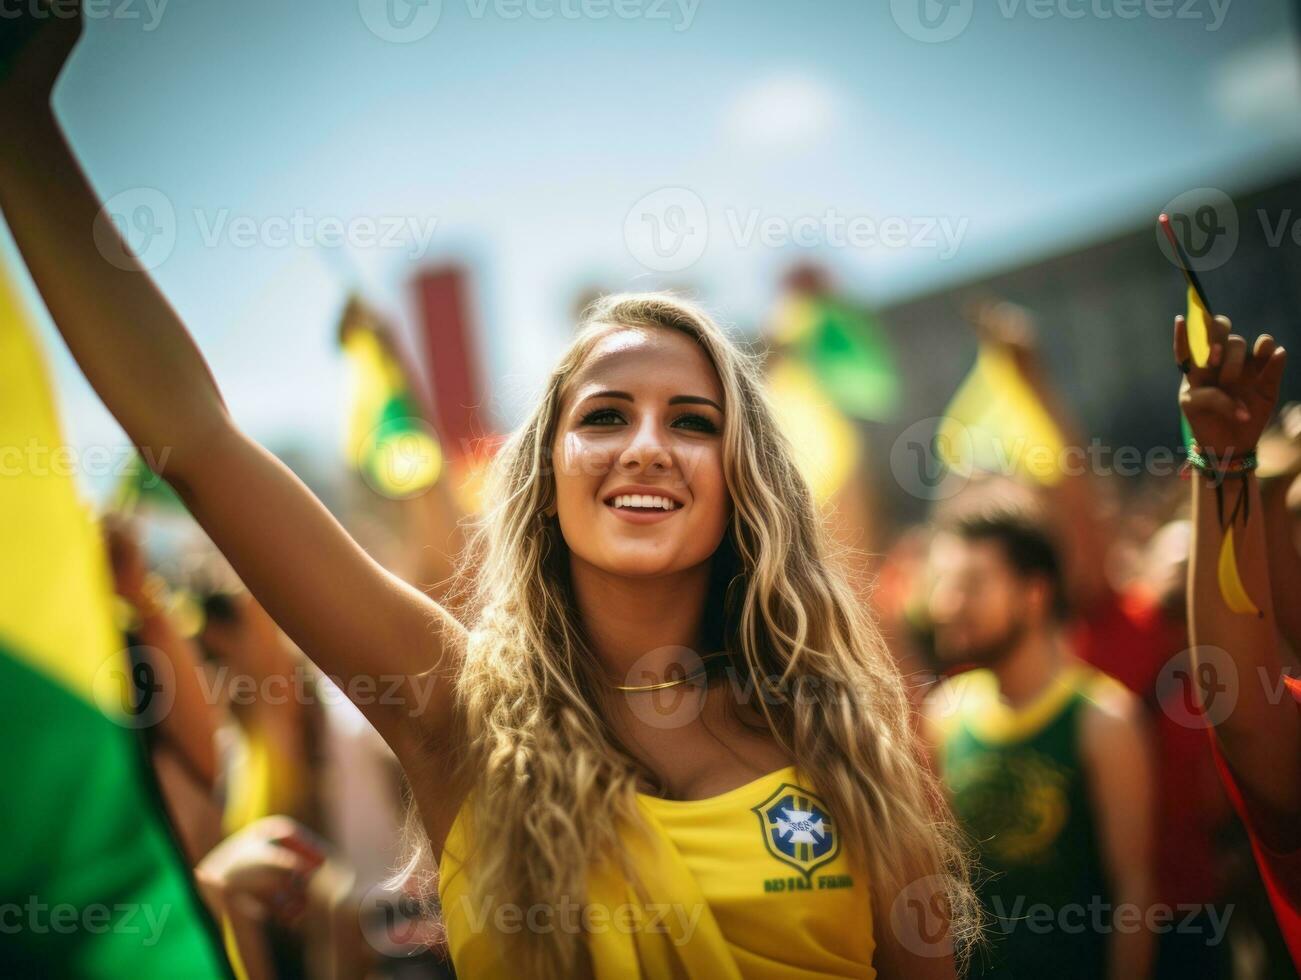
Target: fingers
1218	330
1235	357
1212	402
1183	354
1271	375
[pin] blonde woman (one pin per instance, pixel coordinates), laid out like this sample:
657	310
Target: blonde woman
649	536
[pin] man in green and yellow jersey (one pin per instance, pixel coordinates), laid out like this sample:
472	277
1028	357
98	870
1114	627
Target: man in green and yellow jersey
1044	758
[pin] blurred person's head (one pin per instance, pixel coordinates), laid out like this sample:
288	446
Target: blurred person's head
653	398
995	580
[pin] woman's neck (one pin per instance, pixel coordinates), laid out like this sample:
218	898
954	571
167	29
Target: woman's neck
640	622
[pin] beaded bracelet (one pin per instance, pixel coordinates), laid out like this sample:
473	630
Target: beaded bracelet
1232	467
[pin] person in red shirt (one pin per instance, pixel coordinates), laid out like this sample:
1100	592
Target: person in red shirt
1252	705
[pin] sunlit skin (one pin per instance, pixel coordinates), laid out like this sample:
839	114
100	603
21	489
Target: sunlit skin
644	410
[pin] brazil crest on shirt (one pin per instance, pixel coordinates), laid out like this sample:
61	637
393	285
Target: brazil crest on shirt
797	829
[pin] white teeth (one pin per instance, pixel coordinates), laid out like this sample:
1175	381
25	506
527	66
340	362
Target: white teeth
643	500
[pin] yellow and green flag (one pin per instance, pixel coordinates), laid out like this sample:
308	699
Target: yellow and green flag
92	879
845	349
388	438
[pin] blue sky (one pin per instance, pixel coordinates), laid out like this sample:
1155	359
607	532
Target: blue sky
525	141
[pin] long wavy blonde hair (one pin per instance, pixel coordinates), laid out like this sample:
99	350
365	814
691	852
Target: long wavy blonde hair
550	782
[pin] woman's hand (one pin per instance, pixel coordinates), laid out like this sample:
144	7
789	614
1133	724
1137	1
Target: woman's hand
1229	402
39	37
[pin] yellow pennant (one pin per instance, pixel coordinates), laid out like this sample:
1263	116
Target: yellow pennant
1199	333
1231	587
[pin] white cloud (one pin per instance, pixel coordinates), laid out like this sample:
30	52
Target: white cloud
783	111
1260	86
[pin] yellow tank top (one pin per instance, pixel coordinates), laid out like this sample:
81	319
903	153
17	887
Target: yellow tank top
752	883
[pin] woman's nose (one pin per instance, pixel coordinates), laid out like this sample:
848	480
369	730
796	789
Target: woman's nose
645	449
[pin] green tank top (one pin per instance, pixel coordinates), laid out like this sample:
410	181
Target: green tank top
1019	789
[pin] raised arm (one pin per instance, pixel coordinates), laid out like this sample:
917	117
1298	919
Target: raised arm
360	624
1228	404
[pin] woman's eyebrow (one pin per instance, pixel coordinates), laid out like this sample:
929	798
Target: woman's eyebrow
675	400
694	400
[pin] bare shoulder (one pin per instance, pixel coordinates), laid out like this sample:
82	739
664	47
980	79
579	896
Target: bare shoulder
1113	724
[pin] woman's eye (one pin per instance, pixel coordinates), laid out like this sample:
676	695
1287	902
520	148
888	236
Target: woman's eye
698	422
602	416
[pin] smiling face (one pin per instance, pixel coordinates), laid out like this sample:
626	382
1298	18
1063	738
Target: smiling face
640	489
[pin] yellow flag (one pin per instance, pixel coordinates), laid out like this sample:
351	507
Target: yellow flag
55	586
1199	336
825	443
1231	587
996	423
